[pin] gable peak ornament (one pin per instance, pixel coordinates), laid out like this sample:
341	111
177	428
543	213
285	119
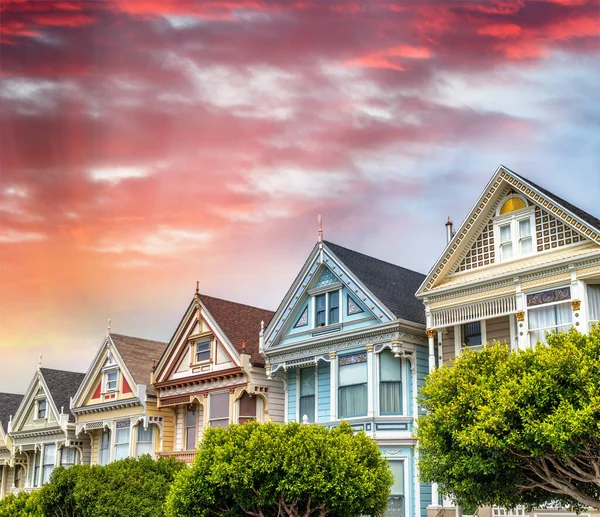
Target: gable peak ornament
108	328
320	228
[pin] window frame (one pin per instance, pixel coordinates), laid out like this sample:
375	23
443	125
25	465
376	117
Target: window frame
105	450
194	341
327	294
512	219
406	493
47	466
550	329
340	387
402	365
121	444
219	419
186	426
38	409
588	312
314	395
241	418
463	343
138	442
62	457
107	381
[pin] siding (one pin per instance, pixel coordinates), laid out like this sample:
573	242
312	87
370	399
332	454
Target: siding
324	391
425	490
498	329
292	395
448	345
422	368
273	393
179	428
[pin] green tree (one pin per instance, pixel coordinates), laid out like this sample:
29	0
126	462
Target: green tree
283	470
24	504
513	428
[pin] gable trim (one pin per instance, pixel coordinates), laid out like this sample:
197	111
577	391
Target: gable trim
30	398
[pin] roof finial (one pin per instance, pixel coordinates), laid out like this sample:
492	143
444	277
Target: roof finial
197	286
108	327
243	346
320	232
262	327
40	362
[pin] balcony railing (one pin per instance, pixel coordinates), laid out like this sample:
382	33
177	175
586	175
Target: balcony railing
187	456
473	312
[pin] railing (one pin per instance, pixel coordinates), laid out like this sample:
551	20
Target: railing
187	456
474	312
16	490
499	511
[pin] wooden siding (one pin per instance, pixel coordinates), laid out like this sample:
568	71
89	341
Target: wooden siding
448	345
498	329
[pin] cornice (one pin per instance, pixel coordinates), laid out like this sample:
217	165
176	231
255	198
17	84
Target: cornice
205	377
197	387
107	406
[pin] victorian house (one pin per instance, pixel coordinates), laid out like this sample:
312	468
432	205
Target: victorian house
42	430
348	343
115	405
9	403
212	374
523	263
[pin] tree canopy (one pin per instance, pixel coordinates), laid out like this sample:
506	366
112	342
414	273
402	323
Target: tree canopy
513	428
283	470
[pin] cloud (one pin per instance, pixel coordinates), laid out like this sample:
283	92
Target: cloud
115	175
11	236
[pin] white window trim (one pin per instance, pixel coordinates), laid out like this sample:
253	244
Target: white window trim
337	289
105	388
513	219
192	340
377	381
210	419
408	500
546	305
37	409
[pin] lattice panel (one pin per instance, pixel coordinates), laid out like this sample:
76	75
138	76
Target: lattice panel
552	233
482	252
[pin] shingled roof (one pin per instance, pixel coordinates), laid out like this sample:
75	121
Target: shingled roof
62	386
239	322
394	286
9	403
139	355
588	218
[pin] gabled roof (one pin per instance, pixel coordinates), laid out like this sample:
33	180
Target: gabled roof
9	403
393	285
240	323
62	385
139	355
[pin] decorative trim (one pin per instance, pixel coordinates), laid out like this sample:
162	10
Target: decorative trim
520	316
303	319
554	295
431	333
576	305
352	307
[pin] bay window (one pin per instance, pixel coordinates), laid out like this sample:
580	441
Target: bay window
68	456
593	299
247	407
191	420
307	394
122	440
396	501
390	384
352	391
144	440
36	469
219	409
48	463
104	447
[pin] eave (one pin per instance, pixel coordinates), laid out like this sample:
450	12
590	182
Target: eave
183	381
107	406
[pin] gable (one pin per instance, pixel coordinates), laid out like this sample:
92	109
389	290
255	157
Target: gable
507	199
26	418
198	346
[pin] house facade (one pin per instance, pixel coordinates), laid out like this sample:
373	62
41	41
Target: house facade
348	343
42	430
9	403
523	263
212	374
116	406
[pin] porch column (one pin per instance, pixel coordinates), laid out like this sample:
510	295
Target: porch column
370	381
431	335
333	386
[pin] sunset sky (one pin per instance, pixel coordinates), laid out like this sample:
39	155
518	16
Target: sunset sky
147	144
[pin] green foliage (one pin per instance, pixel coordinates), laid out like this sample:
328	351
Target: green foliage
126	488
25	504
264	468
512	428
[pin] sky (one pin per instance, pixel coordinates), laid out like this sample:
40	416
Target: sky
148	144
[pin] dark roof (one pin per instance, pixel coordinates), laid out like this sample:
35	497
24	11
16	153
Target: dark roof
588	218
394	285
239	322
62	386
139	355
9	403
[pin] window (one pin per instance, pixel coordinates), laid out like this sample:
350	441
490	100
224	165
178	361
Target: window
191	420
144	440
104	447
593	298
514	230
122	440
42	409
307	394
471	335
352	389
18	476
396	501
390	384
203	351
320	310
327	308
219	409
247	407
550	318
49	460
36	469
111	380
334	307
68	456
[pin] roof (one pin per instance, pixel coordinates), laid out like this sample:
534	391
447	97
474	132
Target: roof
9	403
62	385
139	355
393	285
588	218
240	323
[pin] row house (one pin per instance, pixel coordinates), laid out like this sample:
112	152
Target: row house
116	406
42	431
212	374
9	403
348	343
523	263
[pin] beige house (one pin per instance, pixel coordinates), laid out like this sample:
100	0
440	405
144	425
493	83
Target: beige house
9	403
212	373
115	405
523	263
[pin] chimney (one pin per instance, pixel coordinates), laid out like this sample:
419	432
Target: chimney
449	231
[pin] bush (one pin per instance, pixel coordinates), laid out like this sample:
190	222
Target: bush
25	504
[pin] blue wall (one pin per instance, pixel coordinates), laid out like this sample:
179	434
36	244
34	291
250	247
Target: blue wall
292	395
324	391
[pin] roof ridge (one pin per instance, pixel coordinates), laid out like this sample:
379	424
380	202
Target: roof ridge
15	394
236	303
135	337
374	258
60	370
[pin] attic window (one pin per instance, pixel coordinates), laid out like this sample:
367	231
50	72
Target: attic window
111	380
202	350
514	229
512	205
42	409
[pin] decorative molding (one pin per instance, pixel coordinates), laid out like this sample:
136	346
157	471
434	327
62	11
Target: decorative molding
431	333
520	316
223	382
576	304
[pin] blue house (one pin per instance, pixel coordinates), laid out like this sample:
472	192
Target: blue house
348	341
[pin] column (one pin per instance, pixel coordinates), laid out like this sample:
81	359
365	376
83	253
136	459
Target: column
440	348
370	381
333	386
431	336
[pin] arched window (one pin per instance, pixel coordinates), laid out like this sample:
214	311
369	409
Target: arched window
514	229
512	204
68	457
191	422
247	408
104	453
144	440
